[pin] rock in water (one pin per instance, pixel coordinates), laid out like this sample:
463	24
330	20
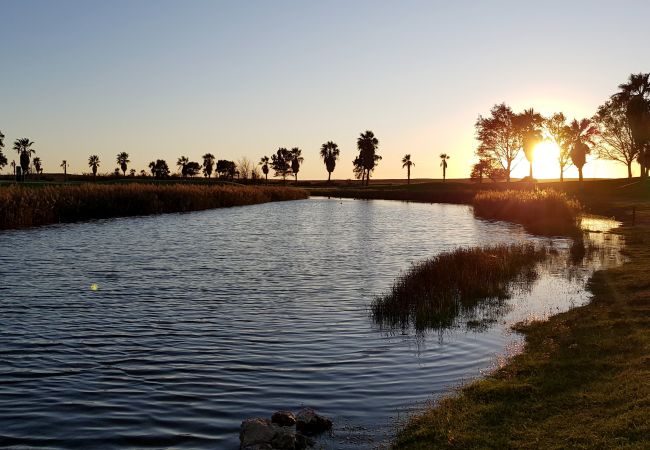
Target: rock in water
284	418
308	422
256	434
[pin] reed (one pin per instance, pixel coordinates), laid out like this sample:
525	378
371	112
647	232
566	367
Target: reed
22	206
432	294
540	211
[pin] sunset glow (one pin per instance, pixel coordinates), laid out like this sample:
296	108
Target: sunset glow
546	160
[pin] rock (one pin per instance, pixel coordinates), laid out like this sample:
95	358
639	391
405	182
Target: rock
284	438
256	432
302	441
284	418
308	422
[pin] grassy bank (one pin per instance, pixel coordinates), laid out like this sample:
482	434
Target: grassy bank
433	293
582	381
540	211
26	206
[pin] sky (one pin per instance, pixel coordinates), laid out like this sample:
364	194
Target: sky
161	79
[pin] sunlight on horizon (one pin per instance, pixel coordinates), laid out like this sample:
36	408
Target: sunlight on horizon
545	162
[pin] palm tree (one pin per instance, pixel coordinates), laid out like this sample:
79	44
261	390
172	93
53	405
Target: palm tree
329	151
123	161
444	157
23	147
559	132
581	133
635	97
296	161
182	163
406	162
528	126
208	164
3	158
64	164
367	144
38	165
264	162
93	163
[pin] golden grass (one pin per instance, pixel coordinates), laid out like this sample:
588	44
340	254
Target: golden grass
22	206
540	211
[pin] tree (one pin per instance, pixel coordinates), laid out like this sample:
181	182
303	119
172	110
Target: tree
280	163
329	151
24	149
358	169
226	169
192	168
559	132
208	164
264	162
296	161
143	173
93	163
367	144
443	163
159	168
615	140
123	161
581	134
116	172
245	168
481	169
38	166
3	158
634	96
132	172
406	162
498	137
64	165
182	163
528	125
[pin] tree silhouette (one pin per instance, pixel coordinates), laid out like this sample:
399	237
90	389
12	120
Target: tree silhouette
159	168
581	133
64	165
226	169
132	172
93	163
182	163
281	163
123	161
24	149
329	151
296	161
498	137
443	163
406	162
635	97
368	158
3	158
192	168
615	141
38	166
528	125
208	164
481	169
559	133
264	162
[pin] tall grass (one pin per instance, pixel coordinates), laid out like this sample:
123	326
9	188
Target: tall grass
22	206
540	211
433	293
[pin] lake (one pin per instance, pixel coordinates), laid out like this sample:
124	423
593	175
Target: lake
168	331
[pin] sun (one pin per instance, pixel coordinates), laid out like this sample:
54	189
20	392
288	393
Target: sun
545	162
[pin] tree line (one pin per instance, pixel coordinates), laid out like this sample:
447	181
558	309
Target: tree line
619	131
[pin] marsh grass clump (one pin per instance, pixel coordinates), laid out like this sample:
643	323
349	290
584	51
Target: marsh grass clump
24	206
433	293
540	211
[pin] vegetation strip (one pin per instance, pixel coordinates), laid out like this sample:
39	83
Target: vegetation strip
22	206
433	293
582	381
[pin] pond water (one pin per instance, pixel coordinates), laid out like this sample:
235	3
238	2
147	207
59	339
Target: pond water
196	321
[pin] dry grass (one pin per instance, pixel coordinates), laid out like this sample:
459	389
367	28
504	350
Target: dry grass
433	293
540	211
23	206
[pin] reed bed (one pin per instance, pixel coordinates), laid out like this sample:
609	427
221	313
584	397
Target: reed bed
540	211
22	206
432	294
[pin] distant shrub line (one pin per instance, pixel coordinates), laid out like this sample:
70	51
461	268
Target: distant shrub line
22	206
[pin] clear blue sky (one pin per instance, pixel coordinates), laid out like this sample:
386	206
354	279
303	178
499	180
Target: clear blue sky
161	79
